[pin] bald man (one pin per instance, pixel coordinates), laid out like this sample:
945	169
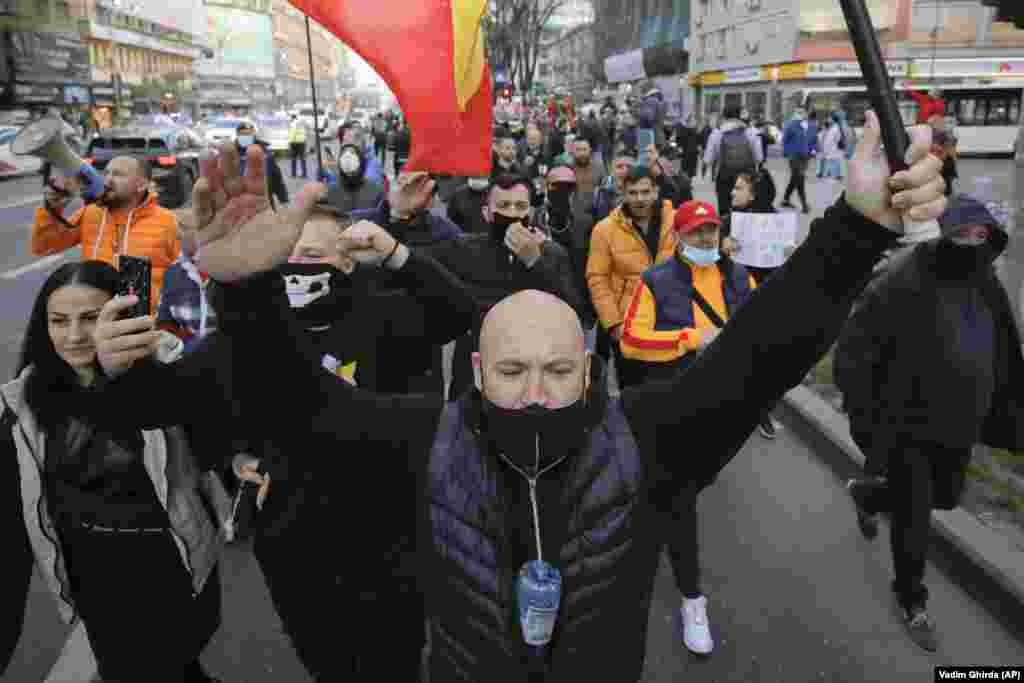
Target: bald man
125	220
538	464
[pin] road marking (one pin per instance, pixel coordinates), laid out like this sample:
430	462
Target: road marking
44	262
21	202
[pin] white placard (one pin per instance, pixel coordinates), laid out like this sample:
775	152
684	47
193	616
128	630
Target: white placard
763	237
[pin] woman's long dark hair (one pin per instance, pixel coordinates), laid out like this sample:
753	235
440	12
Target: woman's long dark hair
52	380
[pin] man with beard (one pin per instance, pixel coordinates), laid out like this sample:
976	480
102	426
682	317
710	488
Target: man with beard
353	190
125	220
506	159
466	208
636	236
537	489
510	257
929	365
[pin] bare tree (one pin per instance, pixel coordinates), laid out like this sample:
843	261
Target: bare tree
515	33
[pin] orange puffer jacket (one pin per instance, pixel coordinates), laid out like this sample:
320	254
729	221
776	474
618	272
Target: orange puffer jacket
149	231
618	257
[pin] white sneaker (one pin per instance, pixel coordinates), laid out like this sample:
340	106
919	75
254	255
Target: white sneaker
696	630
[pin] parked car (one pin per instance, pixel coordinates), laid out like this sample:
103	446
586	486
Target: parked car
273	129
224	130
173	153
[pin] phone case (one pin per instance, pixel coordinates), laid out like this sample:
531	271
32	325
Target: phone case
136	275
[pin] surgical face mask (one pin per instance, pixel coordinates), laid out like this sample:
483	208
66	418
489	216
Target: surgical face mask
245	140
701	257
349	163
478	184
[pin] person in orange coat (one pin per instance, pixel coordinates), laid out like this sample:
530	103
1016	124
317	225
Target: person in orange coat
126	220
633	238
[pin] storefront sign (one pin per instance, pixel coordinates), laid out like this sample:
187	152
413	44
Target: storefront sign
793	72
750	74
712	78
978	68
897	69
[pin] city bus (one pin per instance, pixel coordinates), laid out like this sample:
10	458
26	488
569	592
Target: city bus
985	121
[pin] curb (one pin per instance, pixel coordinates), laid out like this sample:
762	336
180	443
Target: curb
980	560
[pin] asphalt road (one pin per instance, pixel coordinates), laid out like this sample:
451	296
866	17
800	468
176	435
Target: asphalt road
796	595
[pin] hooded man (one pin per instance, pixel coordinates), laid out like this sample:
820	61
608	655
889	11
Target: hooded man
354	191
929	365
466	208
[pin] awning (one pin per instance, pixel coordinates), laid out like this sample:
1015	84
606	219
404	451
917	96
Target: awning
628	66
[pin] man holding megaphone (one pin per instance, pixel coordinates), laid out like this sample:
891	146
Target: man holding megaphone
123	219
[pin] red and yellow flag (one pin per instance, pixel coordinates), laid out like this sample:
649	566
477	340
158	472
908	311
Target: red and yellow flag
431	55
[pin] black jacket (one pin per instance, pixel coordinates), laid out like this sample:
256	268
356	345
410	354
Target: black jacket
466	210
767	348
900	364
397	366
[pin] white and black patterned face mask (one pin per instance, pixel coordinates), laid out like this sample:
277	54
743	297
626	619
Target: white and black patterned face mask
319	293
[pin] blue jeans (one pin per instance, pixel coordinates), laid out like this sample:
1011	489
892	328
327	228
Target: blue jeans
299	155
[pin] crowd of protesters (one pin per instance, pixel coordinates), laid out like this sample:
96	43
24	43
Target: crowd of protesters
298	350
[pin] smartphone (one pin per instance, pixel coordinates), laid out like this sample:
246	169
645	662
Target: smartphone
136	277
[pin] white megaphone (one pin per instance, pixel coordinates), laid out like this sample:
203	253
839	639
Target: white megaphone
45	139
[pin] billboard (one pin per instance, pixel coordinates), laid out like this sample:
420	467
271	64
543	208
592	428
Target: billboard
823	34
188	16
242	43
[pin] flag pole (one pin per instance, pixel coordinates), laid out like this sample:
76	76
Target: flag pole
316	111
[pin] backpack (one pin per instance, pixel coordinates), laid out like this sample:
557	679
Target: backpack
842	138
735	154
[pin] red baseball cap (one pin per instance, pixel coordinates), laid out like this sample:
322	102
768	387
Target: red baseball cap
694	214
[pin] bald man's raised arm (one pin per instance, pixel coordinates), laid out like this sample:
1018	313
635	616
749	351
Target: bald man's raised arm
692	427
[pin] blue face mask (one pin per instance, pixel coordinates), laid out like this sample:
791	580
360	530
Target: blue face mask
245	140
701	257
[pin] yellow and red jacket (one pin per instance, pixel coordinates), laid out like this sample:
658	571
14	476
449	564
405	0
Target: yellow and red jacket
149	231
618	257
663	323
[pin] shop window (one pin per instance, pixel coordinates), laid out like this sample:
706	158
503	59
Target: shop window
757	104
713	104
733	99
998	113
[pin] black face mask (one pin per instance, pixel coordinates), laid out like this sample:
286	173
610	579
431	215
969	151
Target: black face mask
560	201
962	262
500	224
319	293
518	432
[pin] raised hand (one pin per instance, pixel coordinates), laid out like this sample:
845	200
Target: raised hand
525	243
369	244
237	232
411	192
875	192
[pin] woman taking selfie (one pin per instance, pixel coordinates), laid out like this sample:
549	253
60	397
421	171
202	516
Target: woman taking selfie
112	516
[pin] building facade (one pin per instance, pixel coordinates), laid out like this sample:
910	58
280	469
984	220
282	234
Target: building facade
568	64
769	56
113	57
